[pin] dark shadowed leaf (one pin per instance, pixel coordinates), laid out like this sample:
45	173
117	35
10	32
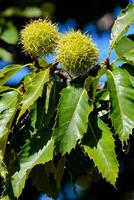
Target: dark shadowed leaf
46	106
129	68
38	150
43	177
91	86
59	172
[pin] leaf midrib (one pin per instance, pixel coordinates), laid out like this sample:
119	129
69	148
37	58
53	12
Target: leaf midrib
127	24
73	115
34	93
119	104
37	156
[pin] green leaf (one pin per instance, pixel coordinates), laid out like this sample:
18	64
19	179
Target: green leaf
99	145
6	55
121	25
9	33
5	198
29	158
37	149
124	46
5	88
33	116
122	99
7	72
8	106
32	12
128	57
125	50
3	169
72	118
102	95
28	80
46	106
34	90
28	12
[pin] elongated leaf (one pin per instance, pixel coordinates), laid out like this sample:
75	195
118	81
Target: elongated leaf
27	161
99	145
4	88
34	90
72	118
46	106
121	25
7	72
33	115
8	106
122	99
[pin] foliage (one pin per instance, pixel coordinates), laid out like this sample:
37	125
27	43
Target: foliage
52	117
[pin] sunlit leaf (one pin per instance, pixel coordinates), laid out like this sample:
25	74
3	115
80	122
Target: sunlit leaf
121	25
34	90
72	118
125	45
122	99
8	107
125	50
128	57
7	72
99	145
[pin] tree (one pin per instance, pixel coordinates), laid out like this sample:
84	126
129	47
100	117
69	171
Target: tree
57	114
